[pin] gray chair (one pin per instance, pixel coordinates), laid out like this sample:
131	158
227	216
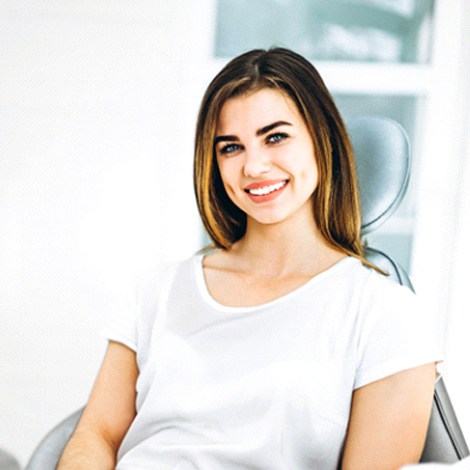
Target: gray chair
48	452
383	162
7	461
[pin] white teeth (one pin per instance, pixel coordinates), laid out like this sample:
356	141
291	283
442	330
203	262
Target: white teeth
267	189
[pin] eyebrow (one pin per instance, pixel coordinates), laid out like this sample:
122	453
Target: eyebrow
272	126
259	132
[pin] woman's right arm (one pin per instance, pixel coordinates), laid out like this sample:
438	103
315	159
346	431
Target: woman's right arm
108	414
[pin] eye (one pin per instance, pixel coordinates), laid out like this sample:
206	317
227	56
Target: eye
277	137
228	149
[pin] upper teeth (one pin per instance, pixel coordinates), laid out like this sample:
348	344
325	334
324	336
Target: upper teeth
267	189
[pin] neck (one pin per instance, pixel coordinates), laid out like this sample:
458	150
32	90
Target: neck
283	248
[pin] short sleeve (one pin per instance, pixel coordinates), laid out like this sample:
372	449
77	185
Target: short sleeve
121	323
395	332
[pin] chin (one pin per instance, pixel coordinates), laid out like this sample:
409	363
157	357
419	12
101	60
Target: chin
284	214
271	219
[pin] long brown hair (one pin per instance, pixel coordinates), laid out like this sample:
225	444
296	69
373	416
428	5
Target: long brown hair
336	200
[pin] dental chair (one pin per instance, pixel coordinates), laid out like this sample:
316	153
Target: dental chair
383	163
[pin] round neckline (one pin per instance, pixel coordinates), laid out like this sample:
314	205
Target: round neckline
210	300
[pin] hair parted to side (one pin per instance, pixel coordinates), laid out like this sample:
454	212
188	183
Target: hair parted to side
336	200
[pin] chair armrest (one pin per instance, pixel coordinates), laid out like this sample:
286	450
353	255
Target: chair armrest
445	442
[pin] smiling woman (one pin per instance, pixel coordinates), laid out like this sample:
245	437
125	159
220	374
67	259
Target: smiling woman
282	347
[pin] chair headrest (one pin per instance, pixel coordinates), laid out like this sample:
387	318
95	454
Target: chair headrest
382	155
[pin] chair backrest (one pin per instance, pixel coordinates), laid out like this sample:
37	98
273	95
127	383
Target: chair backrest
382	155
383	163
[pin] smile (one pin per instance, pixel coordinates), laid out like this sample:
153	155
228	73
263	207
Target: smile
264	190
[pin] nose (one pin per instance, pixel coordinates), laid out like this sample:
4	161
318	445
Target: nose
256	163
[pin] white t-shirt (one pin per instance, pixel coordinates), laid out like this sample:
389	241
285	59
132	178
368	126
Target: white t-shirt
261	387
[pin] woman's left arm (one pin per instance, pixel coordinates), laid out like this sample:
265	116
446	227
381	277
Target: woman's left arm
389	420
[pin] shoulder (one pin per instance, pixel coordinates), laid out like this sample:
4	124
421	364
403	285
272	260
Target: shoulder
160	275
381	290
161	269
376	299
154	288
390	309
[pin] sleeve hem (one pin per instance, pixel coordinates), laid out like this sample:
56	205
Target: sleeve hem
392	367
119	338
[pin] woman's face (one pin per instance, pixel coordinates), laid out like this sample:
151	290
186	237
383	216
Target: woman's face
265	156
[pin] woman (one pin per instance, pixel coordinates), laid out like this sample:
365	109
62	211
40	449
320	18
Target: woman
282	348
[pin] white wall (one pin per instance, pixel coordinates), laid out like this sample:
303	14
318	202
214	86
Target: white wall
97	108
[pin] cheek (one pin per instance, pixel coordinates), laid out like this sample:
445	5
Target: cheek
310	175
228	174
315	176
314	169
227	169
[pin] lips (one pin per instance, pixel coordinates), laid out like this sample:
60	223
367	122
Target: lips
264	191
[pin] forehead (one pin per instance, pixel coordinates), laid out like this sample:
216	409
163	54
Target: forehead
257	109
